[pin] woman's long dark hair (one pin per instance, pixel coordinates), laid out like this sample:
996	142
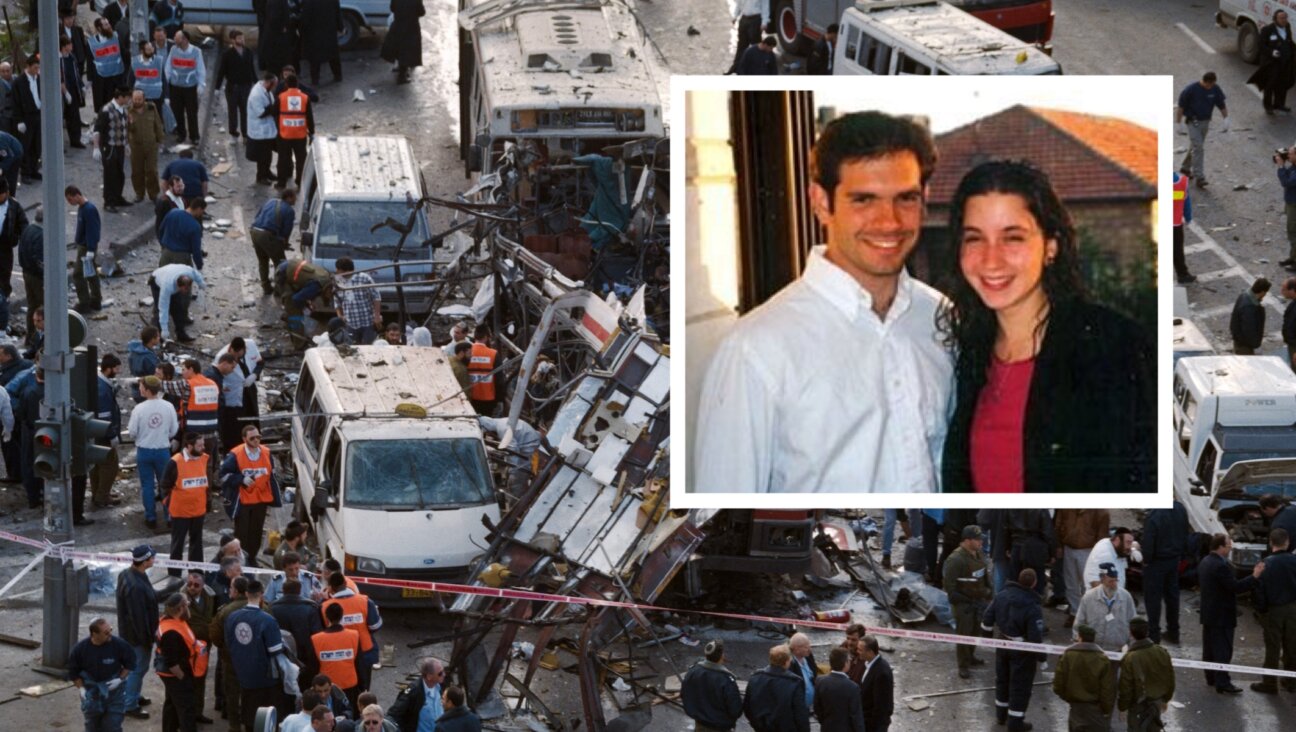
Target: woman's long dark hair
967	325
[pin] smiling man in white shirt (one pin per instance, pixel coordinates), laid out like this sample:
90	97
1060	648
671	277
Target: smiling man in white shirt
839	383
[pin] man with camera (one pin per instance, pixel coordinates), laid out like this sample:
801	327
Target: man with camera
1285	159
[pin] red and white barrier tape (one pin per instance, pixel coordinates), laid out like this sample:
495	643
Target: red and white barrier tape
66	553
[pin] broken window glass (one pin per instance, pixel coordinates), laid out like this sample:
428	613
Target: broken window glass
416	474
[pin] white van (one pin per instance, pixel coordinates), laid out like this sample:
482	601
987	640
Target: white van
925	37
391	465
1231	415
349	186
1189	340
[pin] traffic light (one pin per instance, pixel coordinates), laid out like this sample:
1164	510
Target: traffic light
48	463
86	434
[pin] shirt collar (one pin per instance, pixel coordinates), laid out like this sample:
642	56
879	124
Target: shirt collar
844	293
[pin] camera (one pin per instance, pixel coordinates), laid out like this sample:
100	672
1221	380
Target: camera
1280	155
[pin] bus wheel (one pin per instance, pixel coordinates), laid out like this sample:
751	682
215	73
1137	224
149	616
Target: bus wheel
788	29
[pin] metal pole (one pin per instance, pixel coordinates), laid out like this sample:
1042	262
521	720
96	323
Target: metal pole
139	11
56	362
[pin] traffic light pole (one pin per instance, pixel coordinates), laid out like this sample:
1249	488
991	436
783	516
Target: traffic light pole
60	609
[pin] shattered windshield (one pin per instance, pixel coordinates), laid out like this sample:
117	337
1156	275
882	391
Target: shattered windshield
416	474
344	231
1286	489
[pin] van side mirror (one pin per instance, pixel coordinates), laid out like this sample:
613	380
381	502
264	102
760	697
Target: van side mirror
324	499
1198	488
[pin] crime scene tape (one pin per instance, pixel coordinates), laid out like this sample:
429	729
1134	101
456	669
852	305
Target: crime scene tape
66	553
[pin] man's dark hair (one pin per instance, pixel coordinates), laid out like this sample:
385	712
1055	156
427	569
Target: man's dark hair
832	28
193	365
148	333
455	695
228	358
10	350
310	700
197	203
1261	286
462	346
837	658
856	629
344	264
867	135
290	81
769	41
121	91
235	34
1026	578
1217	541
332	565
240	584
320	712
1278	538
191	439
292	587
1209	77
333	613
481	332
1272	500
109	361
871	643
71	191
320	680
337	580
255	587
187	153
237	344
1138	631
64	42
1121	530
291	558
1086	634
269	76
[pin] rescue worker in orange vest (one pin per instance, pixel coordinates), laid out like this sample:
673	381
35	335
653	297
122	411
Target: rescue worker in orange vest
199	407
338	649
296	125
1182	216
360	614
184	494
184	659
481	365
297	284
249	488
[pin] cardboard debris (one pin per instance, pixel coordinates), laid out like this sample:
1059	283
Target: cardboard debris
222	168
49	687
917	705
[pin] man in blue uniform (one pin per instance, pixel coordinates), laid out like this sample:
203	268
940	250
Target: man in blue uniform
254	641
99	665
710	692
1015	614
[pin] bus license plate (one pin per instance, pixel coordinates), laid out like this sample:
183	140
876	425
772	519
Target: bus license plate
408	592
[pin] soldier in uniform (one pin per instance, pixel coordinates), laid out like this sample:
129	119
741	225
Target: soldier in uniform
1147	680
1015	614
1086	681
297	284
967	581
710	692
1275	597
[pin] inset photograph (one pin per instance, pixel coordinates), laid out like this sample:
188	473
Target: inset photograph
921	286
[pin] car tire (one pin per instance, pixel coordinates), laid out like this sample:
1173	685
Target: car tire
350	34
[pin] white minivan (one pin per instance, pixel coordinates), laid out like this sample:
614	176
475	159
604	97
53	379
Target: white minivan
391	466
356	14
925	37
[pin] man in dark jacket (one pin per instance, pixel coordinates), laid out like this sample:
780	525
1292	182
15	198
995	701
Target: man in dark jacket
1031	542
820	62
1015	614
276	39
27	407
31	257
1274	77
759	60
1246	325
13	222
27	106
1086	681
320	26
710	692
237	74
1275	599
458	717
137	620
1219	590
837	700
877	687
1165	541
1289	320
1147	680
776	697
299	616
1278	513
11	364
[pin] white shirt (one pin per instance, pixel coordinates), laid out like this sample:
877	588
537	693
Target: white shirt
4	210
868	666
813	392
34	83
1103	552
299	722
153	423
752	7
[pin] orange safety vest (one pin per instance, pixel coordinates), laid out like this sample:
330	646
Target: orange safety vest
259	470
188	498
204	403
355	615
197	649
337	653
292	114
480	366
350	585
1180	193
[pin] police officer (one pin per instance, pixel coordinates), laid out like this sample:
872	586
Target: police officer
775	699
254	641
1085	680
1275	597
710	692
967	582
1147	679
99	665
1015	614
1165	541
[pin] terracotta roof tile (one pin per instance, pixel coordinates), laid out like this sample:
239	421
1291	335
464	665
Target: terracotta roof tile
1086	156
